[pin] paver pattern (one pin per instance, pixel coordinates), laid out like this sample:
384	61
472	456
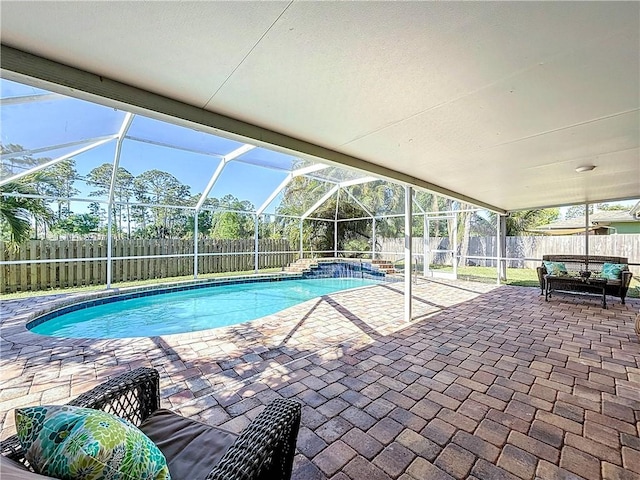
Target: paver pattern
486	383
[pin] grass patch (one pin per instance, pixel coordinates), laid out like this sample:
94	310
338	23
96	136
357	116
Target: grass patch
521	277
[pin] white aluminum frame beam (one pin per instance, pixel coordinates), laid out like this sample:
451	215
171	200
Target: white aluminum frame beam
42	166
223	163
359	203
408	252
41	97
324	198
126	123
286	181
32	151
275	193
357	181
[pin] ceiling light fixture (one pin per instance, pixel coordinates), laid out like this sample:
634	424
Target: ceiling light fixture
585	168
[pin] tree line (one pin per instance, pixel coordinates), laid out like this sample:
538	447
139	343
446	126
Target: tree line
148	206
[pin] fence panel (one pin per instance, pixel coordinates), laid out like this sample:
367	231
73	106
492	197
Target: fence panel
90	271
528	247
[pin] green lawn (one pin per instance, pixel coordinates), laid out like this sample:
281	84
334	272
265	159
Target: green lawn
524	277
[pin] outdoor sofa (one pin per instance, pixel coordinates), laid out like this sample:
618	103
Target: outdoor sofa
193	450
597	265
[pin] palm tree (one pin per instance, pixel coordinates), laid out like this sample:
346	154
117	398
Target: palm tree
16	212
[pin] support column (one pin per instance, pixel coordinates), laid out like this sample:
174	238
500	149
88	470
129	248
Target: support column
128	118
256	245
109	243
425	245
335	239
373	243
195	245
301	246
408	286
335	226
427	269
501	248
586	235
454	250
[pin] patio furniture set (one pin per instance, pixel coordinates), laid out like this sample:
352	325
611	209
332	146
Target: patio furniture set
192	450
582	274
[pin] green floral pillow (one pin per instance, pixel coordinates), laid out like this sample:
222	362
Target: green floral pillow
612	271
82	443
555	268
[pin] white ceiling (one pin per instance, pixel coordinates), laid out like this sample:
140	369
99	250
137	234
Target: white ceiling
497	101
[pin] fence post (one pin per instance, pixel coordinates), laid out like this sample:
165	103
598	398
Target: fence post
408	245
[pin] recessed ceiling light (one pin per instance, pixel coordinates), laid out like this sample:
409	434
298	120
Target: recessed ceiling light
585	168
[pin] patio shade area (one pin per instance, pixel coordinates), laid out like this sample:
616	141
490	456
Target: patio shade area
495	104
488	382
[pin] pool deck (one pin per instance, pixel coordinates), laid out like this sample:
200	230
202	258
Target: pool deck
486	382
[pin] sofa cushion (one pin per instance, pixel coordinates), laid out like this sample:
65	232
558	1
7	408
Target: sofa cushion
191	448
70	442
12	470
555	268
613	271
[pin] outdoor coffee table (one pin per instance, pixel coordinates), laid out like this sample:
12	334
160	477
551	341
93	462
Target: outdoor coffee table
575	284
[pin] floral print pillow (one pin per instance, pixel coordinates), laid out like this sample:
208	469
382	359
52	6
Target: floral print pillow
555	268
69	442
613	271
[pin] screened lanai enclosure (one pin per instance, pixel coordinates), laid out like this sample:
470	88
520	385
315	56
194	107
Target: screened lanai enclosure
111	196
95	195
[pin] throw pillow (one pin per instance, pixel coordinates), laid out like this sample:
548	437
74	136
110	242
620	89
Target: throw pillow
82	443
555	268
612	271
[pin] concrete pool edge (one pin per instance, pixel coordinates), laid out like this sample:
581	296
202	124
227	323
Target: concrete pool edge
117	295
14	326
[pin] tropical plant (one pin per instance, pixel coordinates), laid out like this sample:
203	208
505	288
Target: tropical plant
17	211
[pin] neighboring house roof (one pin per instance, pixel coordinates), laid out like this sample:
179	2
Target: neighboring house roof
599	219
635	211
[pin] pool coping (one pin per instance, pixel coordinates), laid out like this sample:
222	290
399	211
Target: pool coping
117	295
15	327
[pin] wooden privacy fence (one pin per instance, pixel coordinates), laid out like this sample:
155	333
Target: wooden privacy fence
525	251
47	262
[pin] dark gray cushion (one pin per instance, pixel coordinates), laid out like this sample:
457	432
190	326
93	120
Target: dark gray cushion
191	448
12	470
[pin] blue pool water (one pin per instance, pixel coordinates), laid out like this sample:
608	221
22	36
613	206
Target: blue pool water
190	310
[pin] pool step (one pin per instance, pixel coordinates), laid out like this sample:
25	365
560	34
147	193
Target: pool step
302	265
307	264
384	266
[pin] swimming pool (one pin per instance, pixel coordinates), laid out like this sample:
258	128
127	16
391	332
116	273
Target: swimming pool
186	310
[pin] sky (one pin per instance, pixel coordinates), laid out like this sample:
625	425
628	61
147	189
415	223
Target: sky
64	120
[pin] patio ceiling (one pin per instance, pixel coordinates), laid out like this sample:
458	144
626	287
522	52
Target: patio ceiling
496	103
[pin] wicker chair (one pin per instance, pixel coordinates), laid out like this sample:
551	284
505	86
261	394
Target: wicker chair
263	450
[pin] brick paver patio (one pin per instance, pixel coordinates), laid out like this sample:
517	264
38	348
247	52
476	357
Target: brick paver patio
487	382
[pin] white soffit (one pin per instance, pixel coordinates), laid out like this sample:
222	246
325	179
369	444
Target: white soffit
499	101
